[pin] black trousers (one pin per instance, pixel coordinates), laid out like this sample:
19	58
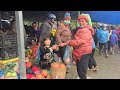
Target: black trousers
119	44
108	46
96	41
92	61
61	52
101	46
82	66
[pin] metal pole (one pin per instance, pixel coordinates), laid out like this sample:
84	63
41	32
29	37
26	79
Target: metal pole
77	21
57	17
21	47
0	21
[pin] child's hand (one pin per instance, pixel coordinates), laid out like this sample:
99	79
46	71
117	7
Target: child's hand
54	47
57	48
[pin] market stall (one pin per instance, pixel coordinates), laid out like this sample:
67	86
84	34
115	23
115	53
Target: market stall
23	67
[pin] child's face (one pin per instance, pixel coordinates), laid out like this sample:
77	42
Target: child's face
34	26
47	42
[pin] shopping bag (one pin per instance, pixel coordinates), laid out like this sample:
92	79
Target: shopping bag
67	58
38	55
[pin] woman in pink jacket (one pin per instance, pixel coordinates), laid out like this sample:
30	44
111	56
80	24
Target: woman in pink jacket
82	44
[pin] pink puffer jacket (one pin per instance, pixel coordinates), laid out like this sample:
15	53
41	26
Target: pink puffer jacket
63	34
82	42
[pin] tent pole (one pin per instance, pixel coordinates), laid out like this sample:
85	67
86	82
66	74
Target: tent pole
77	21
21	47
0	20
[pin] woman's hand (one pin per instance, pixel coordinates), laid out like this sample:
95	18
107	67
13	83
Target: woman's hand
68	42
62	44
39	44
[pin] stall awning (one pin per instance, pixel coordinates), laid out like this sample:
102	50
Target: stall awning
108	17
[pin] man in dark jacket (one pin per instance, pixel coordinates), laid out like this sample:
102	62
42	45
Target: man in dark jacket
46	27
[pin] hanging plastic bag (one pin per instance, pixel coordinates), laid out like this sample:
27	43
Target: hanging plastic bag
67	58
38	55
34	50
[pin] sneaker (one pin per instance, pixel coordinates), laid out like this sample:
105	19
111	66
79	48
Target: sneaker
101	54
89	69
68	68
89	77
118	52
107	56
95	68
77	78
112	53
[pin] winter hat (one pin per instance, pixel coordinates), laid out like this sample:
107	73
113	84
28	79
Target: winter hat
67	15
89	19
51	16
83	17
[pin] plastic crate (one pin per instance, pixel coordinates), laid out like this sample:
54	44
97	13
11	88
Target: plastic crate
8	53
8	40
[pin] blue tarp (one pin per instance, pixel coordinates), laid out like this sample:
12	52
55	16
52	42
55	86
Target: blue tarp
108	17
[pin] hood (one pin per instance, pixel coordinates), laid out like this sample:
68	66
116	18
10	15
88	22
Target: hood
113	32
91	29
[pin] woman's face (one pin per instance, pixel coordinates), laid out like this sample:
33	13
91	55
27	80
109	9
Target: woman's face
67	21
53	20
82	22
47	42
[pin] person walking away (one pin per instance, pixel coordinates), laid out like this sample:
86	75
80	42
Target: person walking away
82	44
103	40
95	36
47	26
63	33
113	41
109	34
118	34
92	61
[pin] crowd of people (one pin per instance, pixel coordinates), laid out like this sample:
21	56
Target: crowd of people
51	39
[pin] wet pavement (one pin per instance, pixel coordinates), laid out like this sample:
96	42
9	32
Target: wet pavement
108	68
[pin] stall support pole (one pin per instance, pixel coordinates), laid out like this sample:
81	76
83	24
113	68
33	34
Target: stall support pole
77	21
21	47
